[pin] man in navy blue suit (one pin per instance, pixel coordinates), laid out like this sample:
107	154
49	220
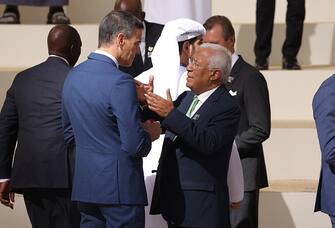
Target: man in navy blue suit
191	183
101	114
324	115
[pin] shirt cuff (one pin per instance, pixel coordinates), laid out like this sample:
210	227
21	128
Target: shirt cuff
4	180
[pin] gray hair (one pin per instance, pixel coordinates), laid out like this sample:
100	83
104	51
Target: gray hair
117	22
220	60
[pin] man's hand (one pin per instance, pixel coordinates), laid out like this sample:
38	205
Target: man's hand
6	197
150	86
142	88
160	105
140	92
153	128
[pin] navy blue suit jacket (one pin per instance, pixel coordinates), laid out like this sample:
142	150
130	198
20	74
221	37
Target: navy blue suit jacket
191	182
100	109
324	115
32	117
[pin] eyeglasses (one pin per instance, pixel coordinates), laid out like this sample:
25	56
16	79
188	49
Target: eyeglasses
196	64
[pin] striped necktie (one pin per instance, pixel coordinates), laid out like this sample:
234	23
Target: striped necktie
194	103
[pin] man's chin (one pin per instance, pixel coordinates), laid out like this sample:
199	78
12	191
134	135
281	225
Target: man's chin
188	85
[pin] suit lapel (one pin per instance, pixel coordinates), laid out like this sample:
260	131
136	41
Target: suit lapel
205	107
237	67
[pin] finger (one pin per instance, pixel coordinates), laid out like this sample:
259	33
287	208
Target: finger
151	80
168	95
151	98
157	97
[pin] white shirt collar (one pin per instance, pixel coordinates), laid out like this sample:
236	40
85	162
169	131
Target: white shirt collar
142	44
205	95
143	32
101	52
234	58
60	57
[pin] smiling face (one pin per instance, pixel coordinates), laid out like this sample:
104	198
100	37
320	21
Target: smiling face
129	48
199	77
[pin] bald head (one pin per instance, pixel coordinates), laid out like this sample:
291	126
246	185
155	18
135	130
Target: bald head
64	41
133	7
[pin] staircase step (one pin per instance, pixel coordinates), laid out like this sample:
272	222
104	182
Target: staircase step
290	210
291	92
25	45
93	11
316	49
292	153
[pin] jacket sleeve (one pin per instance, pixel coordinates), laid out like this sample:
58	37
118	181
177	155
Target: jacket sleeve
257	108
67	128
324	115
124	103
8	133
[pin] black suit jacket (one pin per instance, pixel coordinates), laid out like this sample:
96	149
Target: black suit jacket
153	32
254	127
31	116
191	183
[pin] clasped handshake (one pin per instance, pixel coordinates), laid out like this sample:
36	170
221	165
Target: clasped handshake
161	106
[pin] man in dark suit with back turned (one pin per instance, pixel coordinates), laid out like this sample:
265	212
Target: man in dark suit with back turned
191	183
250	88
31	116
101	111
150	35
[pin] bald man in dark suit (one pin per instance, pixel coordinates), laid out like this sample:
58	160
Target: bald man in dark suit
31	117
150	35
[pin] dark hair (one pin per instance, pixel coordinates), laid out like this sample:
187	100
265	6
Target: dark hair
224	22
181	43
117	22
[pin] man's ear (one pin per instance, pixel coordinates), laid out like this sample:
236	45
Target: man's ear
231	41
120	39
186	47
215	75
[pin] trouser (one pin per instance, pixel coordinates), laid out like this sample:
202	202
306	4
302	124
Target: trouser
295	15
247	215
51	208
108	216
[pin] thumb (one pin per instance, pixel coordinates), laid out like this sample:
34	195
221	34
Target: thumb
168	95
151	80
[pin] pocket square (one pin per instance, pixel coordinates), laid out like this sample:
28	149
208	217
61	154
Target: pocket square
233	93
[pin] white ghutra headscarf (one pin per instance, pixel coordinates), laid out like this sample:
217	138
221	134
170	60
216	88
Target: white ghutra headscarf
165	56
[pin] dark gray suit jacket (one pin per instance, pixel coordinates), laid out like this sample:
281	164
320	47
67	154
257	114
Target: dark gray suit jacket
31	116
255	123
